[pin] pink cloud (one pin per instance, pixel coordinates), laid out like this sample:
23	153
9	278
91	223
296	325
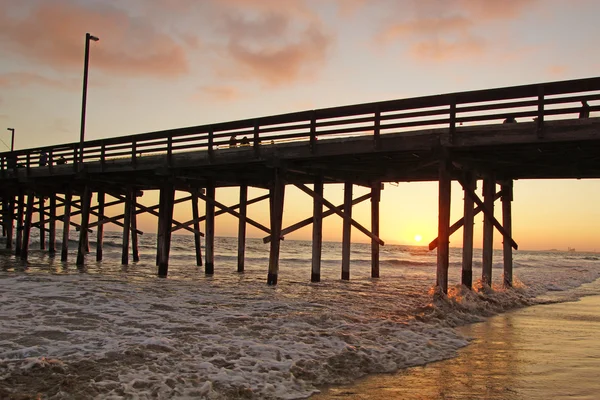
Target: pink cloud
54	34
18	79
557	70
217	93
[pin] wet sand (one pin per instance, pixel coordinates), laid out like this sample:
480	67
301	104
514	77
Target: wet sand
541	352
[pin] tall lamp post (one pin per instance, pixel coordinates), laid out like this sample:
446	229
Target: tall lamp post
88	37
12	139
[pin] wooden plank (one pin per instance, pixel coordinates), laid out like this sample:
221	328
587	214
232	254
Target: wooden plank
66	225
443	250
27	226
346	234
277	200
242	227
209	262
317	234
507	197
197	236
468	219
375	199
100	229
86	199
489	188
341	214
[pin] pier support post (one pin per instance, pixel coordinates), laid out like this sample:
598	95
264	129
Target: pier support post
242	227
489	189
317	234
375	199
41	213
27	226
86	199
52	226
8	221
507	197
469	220
443	250
19	238
66	225
135	252
126	228
347	229
167	200
277	193
197	236
100	229
209	265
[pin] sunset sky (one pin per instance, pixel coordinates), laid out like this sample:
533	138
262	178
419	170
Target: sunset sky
164	64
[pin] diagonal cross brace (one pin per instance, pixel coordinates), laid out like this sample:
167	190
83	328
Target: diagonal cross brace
487	213
231	211
310	220
333	208
458	224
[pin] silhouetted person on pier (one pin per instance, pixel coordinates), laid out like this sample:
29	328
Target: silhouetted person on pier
61	160
232	141
510	120
245	141
43	159
585	110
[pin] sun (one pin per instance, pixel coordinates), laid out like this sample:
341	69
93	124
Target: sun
418	238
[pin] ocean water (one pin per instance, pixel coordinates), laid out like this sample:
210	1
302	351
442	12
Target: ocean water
114	331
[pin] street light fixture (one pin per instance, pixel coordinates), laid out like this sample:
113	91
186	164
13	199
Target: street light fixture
12	139
86	62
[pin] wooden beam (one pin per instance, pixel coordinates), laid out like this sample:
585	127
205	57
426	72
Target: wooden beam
197	235
27	226
468	219
317	235
310	220
507	197
495	222
135	252
277	200
242	227
167	201
20	211
340	213
52	226
460	223
100	229
86	199
489	188
346	234
231	211
126	228
375	199
8	221
42	224
443	251
66	225
209	264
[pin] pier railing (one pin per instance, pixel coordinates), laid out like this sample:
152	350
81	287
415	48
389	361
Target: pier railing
536	102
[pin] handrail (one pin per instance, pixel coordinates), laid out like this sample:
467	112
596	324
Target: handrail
376	118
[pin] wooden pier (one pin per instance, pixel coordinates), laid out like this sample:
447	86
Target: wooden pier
468	137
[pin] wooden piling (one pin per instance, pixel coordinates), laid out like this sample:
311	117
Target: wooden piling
197	236
277	192
160	229
27	226
52	226
100	228
489	188
135	251
126	228
443	250
20	210
375	199
347	229
41	214
66	224
317	234
167	199
507	197
242	227
209	265
10	216
86	199
468	221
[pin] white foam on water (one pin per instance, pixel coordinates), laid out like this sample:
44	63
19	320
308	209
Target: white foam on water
124	336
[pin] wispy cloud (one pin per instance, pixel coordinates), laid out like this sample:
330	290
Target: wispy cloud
19	79
217	93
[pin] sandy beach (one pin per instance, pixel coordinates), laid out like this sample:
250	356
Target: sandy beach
547	351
